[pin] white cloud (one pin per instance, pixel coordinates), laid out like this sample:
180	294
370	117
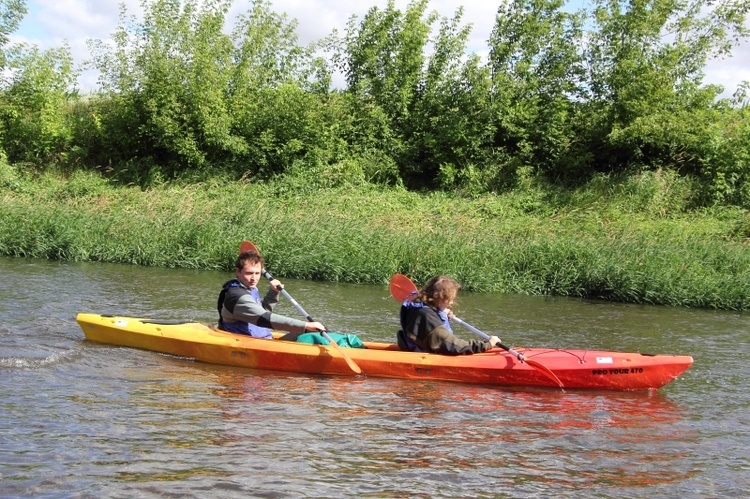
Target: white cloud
730	72
50	23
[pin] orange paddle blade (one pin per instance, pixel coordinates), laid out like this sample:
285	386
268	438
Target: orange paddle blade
248	246
401	287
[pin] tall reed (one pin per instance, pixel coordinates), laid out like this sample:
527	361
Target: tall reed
613	240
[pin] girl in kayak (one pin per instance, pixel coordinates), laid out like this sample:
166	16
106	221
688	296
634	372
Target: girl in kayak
424	321
241	309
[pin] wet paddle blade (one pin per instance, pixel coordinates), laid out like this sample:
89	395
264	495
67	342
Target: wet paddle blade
248	246
545	370
352	365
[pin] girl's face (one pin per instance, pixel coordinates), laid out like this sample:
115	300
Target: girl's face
447	302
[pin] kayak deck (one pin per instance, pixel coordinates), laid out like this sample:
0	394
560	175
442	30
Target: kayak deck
584	369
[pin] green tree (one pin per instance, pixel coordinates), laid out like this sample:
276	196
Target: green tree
646	60
382	60
724	158
35	118
451	129
184	98
617	89
427	113
538	83
168	79
11	15
278	94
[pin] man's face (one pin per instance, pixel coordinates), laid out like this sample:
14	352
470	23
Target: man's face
249	274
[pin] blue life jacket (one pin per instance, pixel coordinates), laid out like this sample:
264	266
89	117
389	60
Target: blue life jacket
441	313
404	338
242	327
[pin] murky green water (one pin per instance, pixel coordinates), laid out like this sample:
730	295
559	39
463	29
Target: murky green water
79	419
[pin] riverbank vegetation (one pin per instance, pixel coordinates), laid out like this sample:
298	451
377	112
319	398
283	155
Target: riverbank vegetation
583	157
614	88
625	239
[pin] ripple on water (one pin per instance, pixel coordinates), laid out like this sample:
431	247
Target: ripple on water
79	419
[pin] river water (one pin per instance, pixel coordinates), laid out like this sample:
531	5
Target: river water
79	419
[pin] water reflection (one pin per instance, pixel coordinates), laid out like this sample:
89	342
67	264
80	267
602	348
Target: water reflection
395	427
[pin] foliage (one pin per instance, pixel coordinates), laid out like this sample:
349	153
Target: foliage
166	81
429	113
199	98
618	89
565	95
11	14
538	85
34	113
726	159
619	237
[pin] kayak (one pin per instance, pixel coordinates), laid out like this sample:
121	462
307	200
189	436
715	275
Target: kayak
574	368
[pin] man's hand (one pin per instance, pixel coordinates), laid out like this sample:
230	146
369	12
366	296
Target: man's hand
276	285
314	326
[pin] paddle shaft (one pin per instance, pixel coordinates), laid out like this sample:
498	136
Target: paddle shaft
284	292
352	365
547	372
486	337
401	287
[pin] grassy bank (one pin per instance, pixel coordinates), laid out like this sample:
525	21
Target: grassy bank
630	240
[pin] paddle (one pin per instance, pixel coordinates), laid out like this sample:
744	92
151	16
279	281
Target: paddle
401	287
248	246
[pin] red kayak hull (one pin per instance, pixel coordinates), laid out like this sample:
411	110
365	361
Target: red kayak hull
575	368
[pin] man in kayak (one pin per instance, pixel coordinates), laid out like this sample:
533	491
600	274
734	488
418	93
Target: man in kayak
241	309
425	326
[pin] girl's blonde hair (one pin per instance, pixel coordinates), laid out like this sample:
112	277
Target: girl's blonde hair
439	289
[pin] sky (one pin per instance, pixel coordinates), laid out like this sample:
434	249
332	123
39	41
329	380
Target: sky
51	23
